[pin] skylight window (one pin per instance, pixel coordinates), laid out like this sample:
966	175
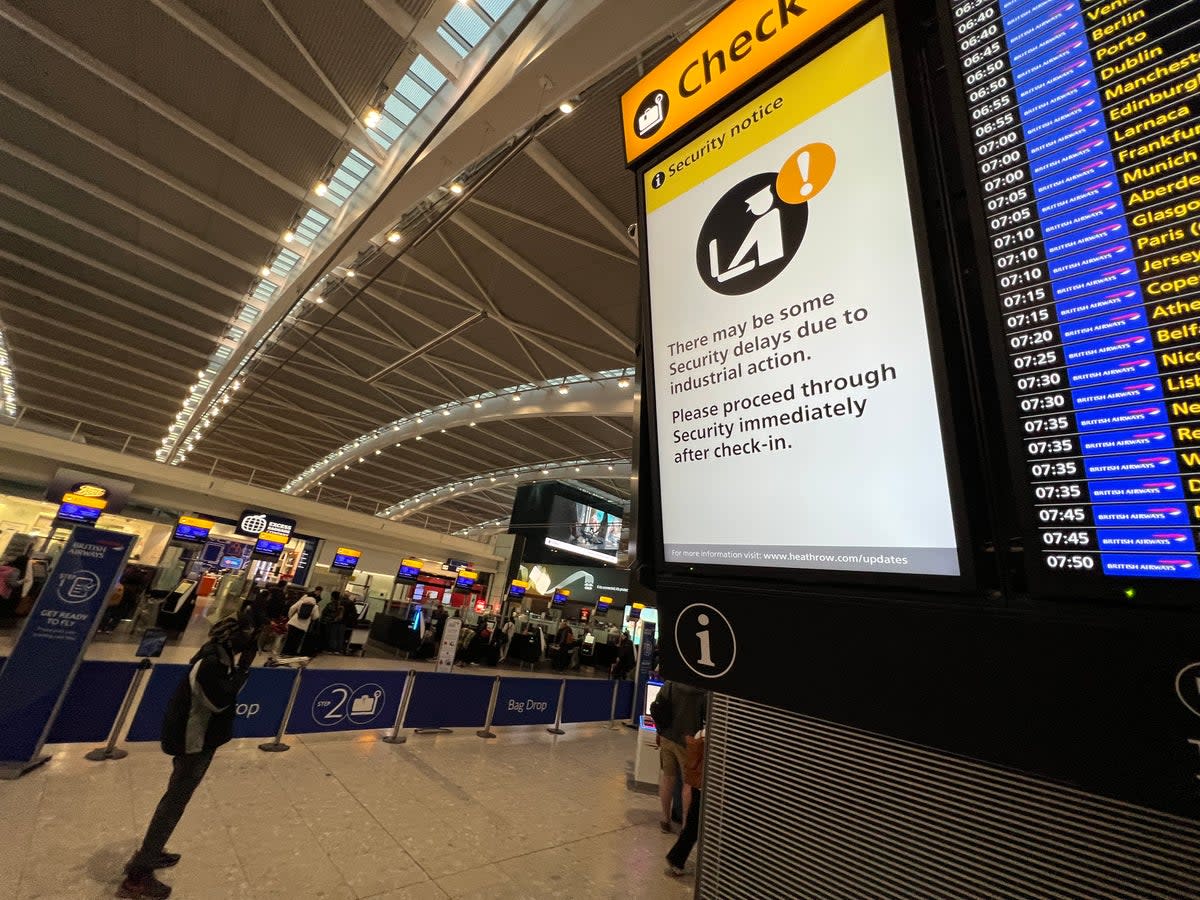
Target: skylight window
310	227
415	90
349	175
495	8
462	29
283	265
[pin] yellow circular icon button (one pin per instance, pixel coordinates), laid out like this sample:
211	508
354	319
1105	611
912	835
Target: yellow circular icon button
805	173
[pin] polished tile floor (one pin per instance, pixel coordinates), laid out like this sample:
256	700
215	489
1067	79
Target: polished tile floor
527	816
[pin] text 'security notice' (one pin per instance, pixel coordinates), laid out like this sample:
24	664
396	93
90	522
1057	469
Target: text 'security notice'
1085	123
797	416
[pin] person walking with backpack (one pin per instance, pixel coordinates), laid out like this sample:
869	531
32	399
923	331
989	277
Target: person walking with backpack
300	619
199	719
678	713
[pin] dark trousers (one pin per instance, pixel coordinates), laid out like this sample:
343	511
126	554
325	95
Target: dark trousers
295	640
678	854
186	776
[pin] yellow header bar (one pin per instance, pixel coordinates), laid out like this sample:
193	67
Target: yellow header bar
273	538
411	563
741	41
346	551
837	73
81	500
463	573
520	584
564	591
196	523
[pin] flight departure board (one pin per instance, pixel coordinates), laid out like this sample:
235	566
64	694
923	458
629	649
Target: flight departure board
1085	124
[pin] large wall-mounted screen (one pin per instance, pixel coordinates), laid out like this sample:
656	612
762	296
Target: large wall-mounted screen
797	411
1084	129
583	530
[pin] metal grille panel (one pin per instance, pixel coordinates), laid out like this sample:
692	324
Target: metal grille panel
800	807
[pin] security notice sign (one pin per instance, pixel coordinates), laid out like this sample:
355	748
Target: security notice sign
797	417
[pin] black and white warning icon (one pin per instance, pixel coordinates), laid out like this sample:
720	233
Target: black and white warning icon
705	641
749	237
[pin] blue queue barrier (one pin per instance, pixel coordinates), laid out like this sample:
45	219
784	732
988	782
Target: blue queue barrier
93	701
526	701
590	700
346	700
260	705
449	700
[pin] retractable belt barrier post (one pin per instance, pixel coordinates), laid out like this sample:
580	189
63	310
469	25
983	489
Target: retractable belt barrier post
277	745
111	750
486	732
562	693
612	710
396	737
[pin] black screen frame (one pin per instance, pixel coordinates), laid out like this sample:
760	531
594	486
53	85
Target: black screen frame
949	407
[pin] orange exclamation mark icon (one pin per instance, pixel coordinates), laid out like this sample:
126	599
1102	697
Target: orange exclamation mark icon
806	173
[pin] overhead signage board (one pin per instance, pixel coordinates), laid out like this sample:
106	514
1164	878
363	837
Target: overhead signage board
112	492
466	579
1083	130
744	39
797	412
409	569
253	523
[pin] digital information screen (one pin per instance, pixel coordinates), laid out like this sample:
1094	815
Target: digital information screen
270	544
192	530
1084	118
409	569
345	560
797	416
466	579
79	513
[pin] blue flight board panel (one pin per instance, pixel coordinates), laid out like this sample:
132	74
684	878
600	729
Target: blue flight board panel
1084	118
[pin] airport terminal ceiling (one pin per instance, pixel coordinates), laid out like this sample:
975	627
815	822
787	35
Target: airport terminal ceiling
146	208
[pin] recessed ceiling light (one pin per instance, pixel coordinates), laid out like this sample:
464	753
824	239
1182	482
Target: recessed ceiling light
566	107
623	383
564	390
320	189
289	236
372	117
393	237
457	187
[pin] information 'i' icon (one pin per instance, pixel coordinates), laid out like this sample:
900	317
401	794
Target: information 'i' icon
705	642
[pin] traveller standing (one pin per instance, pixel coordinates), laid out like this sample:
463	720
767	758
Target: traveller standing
626	658
693	777
300	619
333	617
678	713
199	719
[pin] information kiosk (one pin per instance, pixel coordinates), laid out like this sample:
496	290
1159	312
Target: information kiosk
920	361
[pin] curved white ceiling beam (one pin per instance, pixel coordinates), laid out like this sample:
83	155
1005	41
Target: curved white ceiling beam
486	481
603	394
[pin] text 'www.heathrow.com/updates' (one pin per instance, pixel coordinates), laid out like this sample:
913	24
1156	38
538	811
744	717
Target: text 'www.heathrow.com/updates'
862	559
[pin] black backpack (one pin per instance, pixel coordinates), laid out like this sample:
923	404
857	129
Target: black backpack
306	610
661	709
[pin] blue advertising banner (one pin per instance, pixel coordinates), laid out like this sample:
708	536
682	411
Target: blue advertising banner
43	663
645	665
526	701
447	700
92	703
260	705
346	700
